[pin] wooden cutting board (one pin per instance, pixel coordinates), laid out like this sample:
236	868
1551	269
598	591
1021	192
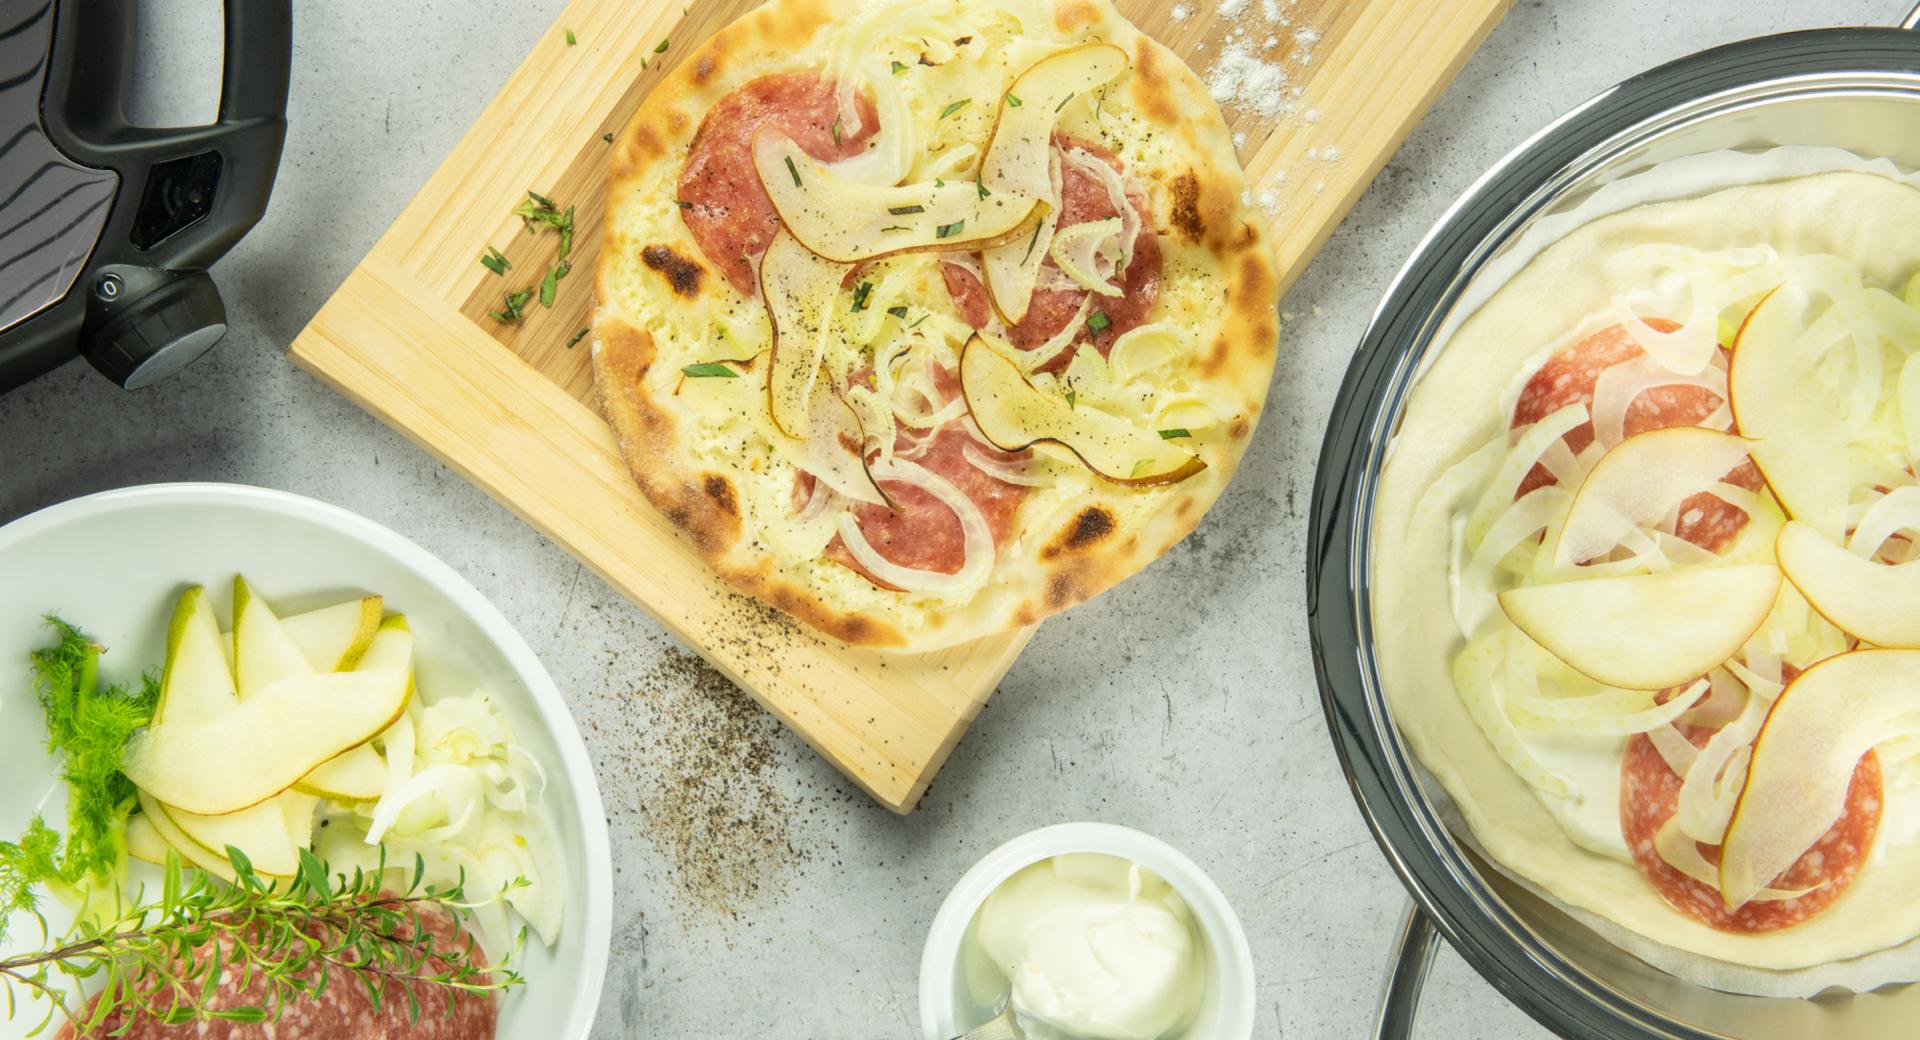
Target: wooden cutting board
1331	88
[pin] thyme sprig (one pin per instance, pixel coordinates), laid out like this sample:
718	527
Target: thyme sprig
164	959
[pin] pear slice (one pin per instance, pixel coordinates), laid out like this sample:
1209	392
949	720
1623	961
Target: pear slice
263	652
847	222
1639	481
266	743
195	682
296	811
1647	631
801	290
1799	446
1019	154
192	853
1875	602
144	842
260	832
333	638
1015	415
360	773
1804	758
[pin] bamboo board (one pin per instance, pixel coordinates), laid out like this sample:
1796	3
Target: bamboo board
407	335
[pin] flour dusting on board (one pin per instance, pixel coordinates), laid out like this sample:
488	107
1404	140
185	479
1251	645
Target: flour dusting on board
1258	67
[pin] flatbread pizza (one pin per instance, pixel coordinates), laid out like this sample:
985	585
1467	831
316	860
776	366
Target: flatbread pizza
924	321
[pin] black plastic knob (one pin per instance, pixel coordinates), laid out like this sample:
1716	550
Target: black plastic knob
144	325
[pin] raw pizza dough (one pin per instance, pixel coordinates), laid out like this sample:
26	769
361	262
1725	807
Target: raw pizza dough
703	449
1459	404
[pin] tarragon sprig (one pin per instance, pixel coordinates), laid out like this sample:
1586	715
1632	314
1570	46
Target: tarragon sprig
163	959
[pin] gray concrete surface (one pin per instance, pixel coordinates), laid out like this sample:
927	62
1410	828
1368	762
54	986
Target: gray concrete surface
1182	703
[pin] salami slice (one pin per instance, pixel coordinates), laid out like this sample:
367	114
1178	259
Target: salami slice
342	1011
1649	796
721	199
1569	376
1083	198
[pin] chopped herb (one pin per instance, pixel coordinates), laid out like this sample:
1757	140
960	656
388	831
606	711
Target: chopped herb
710	370
916	322
898	68
643	64
1073	395
570	39
1138	466
1063	102
511	304
1167	435
1032	241
860	294
662	49
1099	102
898	312
901	211
938	183
1013	101
607	137
550	285
495	261
540	199
1099	322
955	107
949	230
683	203
576	337
896	227
566	233
538	209
981	186
793	170
836	131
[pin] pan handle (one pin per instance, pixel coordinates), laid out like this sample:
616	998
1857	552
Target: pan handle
1400	1004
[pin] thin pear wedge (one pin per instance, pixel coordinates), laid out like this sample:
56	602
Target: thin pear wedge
1647	631
263	652
1875	602
266	743
333	638
360	774
195	682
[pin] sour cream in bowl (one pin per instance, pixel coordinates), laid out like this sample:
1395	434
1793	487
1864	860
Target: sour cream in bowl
1093	932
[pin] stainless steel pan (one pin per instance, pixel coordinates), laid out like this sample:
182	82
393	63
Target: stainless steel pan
1852	88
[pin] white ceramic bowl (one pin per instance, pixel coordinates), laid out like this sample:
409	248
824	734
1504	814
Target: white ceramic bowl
112	563
1226	1009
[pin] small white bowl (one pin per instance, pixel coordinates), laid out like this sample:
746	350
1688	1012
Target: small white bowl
1226	1009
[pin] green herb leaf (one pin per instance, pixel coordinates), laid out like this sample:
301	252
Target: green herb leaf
938	183
1098	322
511	305
955	107
1031	241
607	137
550	285
1063	102
836	131
949	230
710	370
898	312
860	293
683	204
1138	466
898	68
916	322
570	40
495	261
901	211
1073	396
662	48
1013	101
1167	435
575	338
794	171
896	227
980	186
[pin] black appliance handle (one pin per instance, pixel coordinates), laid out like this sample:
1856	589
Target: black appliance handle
91	123
1415	949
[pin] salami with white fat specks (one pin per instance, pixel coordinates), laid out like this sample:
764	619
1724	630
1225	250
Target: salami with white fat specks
342	1011
720	197
1650	795
1083	198
1569	377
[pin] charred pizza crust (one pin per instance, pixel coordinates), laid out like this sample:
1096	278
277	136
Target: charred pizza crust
1067	544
